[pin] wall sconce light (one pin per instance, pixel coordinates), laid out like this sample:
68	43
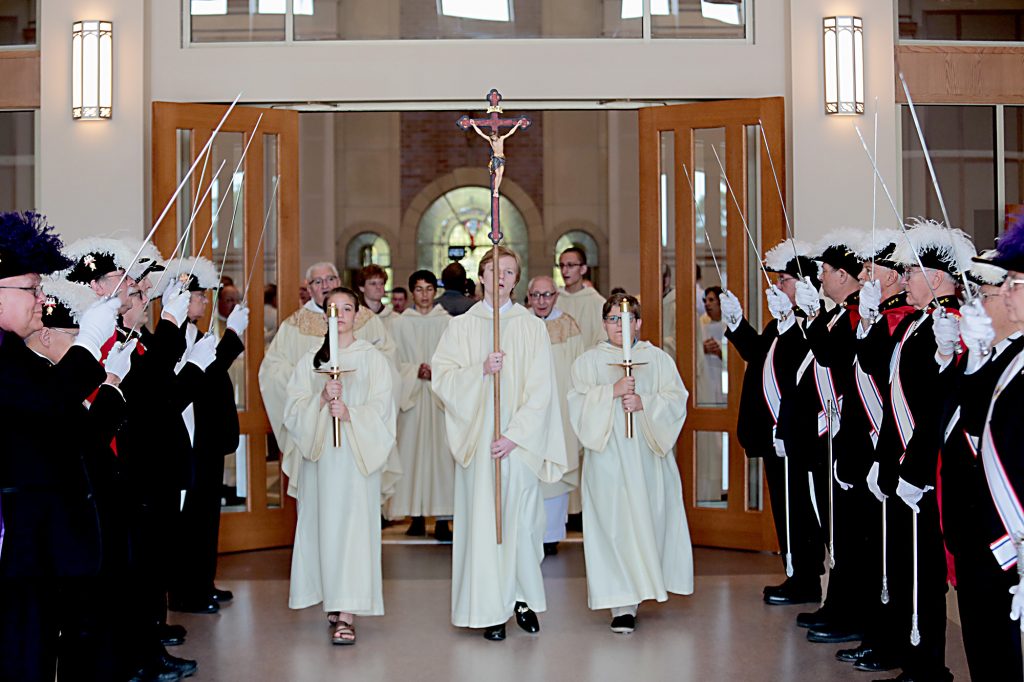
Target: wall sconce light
92	70
844	65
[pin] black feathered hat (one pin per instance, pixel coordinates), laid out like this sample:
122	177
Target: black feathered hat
1010	247
96	257
29	246
65	303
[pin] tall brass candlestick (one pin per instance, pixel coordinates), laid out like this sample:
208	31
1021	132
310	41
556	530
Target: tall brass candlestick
627	353
332	366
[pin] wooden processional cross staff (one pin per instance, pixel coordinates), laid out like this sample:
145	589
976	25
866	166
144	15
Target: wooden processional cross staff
494	123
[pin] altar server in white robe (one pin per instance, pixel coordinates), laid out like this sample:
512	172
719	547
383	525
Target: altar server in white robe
336	557
427	487
635	538
301	332
566	345
579	300
490	582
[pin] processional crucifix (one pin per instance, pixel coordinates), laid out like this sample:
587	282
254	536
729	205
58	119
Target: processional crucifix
494	122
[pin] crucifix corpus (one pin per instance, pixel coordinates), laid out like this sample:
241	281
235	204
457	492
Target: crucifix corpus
494	123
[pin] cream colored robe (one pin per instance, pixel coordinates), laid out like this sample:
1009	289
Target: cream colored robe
428	486
487	578
389	318
336	557
585	306
566	345
668	323
302	331
635	539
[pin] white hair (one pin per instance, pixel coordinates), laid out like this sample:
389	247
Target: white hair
322	264
540	277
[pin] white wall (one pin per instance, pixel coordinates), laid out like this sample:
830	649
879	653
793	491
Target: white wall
831	176
93	174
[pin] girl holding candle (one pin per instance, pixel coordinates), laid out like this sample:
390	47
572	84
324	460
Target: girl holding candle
336	557
635	539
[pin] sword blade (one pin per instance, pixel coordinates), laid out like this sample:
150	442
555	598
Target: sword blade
743	219
711	248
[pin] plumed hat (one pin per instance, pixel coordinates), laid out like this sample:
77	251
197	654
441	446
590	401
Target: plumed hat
880	249
1010	247
29	246
783	259
149	261
203	277
983	272
939	247
839	248
97	256
65	302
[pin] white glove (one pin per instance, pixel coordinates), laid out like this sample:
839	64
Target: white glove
780	447
96	325
1017	604
176	303
873	483
976	328
835	473
779	304
732	311
204	352
911	494
870	300
238	320
946	328
119	359
807	297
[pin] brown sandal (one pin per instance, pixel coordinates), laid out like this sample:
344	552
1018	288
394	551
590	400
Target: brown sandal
344	633
333	617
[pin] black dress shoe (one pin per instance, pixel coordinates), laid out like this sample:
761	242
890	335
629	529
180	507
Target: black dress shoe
418	527
623	625
495	633
526	618
183	666
171	635
813	619
202	605
550	548
834	634
794	594
855	655
442	531
154	674
772	589
874	663
221	596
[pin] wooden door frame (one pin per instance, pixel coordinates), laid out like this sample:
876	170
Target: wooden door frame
709	527
258	527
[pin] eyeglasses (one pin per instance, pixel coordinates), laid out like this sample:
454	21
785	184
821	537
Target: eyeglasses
985	296
333	279
37	290
569	266
546	295
615	319
1012	284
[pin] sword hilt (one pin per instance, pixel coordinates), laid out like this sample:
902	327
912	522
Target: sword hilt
789	565
915	633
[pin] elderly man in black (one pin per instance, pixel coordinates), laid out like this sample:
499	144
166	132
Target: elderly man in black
50	529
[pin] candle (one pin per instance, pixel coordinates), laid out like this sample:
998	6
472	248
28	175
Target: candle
332	333
627	332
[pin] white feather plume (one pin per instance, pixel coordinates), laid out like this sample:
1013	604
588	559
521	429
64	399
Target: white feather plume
77	297
986	272
883	238
951	245
778	256
121	252
202	268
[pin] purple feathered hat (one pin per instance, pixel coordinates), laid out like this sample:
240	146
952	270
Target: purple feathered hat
1010	247
28	245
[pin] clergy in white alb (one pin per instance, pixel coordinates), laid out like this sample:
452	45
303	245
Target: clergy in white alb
373	280
427	487
336	556
635	538
302	331
577	299
566	346
491	581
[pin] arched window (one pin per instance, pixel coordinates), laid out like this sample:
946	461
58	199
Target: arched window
455	227
581	240
364	249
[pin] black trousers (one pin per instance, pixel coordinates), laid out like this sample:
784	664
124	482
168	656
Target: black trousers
991	639
199	530
94	634
807	549
29	629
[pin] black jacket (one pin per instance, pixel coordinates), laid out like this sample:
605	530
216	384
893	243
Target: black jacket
217	431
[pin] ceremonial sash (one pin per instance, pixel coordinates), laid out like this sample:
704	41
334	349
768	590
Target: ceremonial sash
870	399
770	383
826	386
900	406
1011	513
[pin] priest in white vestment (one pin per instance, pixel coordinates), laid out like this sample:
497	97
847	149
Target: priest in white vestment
427	487
635	538
566	345
301	332
490	582
583	303
336	556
